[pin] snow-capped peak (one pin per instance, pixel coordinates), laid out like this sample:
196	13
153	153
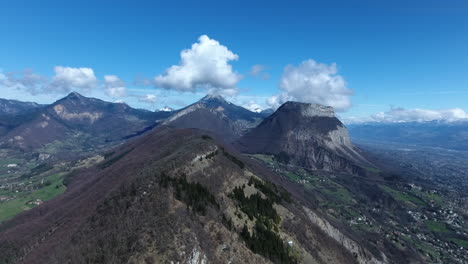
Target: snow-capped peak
166	109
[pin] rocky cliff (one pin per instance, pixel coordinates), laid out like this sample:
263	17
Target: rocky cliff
306	135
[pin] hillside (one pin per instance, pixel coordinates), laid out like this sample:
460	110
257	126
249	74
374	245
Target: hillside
176	195
215	114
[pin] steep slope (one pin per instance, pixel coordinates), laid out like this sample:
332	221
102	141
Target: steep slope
81	122
176	196
307	135
215	114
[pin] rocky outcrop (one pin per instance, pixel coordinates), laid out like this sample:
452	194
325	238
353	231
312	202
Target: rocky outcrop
62	111
362	255
307	135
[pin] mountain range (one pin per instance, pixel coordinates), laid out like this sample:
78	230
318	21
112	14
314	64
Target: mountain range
215	114
11	107
302	134
73	121
209	183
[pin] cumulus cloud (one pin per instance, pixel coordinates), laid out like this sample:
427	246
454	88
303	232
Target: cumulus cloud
26	80
204	66
114	86
258	70
313	82
400	115
68	78
149	98
420	115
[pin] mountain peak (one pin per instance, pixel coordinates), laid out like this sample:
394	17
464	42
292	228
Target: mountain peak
307	109
306	135
73	96
213	97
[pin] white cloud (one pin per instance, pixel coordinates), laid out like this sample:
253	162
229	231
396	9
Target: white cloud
313	82
204	66
26	80
420	115
68	78
114	86
252	106
276	100
149	98
399	115
258	70
223	92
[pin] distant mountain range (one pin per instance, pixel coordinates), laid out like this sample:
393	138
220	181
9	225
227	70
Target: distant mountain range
11	107
450	135
297	133
76	123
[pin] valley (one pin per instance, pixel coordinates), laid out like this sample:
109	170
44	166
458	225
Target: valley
388	211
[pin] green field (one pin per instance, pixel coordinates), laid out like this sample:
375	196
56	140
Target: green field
428	196
402	196
13	207
264	158
460	242
293	176
372	169
338	193
436	226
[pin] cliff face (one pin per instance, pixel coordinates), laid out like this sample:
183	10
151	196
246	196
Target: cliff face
306	135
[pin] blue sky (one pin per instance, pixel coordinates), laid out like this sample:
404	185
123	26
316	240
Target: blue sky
389	53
